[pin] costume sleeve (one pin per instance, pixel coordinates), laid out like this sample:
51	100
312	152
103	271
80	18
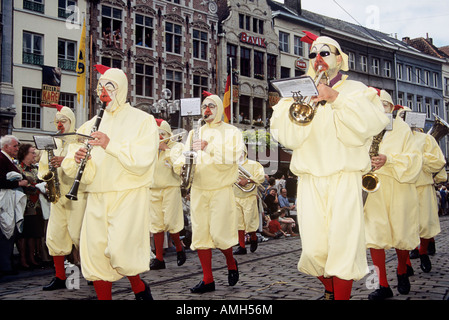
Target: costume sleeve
441	176
358	115
259	173
176	150
224	147
180	161
433	157
283	130
138	154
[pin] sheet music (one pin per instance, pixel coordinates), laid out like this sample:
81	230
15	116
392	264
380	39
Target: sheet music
191	107
415	119
304	84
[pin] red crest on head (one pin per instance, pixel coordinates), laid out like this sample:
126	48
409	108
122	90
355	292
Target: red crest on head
159	121
101	68
309	37
398	107
378	91
206	94
57	106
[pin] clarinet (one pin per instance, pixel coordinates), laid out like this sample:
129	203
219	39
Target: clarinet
73	193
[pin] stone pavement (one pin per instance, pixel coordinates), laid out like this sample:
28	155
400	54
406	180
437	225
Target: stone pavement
270	273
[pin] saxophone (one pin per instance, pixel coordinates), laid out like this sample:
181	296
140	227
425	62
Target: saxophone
370	181
52	180
188	168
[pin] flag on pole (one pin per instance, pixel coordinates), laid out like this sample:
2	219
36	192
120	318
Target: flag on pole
81	65
227	102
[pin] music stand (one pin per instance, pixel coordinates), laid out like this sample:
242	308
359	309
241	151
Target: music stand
45	142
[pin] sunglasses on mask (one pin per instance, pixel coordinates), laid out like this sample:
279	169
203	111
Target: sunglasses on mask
321	53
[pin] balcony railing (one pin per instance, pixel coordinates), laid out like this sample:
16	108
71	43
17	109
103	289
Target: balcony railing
65	64
32	58
33	6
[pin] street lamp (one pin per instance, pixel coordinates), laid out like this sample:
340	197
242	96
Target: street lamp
165	107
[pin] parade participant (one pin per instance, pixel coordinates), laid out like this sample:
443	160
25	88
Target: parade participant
64	224
330	155
213	215
429	223
10	148
166	213
115	238
246	202
391	213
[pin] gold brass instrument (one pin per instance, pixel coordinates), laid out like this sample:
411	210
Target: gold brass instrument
188	167
245	175
370	181
439	129
302	111
52	180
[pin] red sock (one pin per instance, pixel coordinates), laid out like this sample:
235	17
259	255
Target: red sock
159	245
327	282
242	238
137	284
177	241
230	261
253	236
409	263
342	288
378	257
103	289
205	256
423	246
59	267
402	261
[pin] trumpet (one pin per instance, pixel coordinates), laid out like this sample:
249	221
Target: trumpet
302	111
244	174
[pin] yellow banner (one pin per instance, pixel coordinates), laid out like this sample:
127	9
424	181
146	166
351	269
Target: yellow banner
81	65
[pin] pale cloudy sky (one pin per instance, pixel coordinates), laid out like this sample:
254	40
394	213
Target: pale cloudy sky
406	18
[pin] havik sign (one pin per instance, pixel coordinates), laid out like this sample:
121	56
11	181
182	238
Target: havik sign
300	64
257	41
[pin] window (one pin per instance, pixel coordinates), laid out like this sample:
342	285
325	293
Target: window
31	109
428	108
66	9
426	77
399	71
419	104
351	60
111	23
245	62
32	49
174	83
200	84
446	86
67	55
200	44
283	41
259	65
68	100
376	66
387	69
232	53
271	66
257	25
410	101
285	72
418	75
409	71
173	37
437	107
111	62
34	5
144	31
364	63
244	22
435	80
400	99
144	80
297	46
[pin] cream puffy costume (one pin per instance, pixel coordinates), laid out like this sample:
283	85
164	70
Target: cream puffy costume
330	155
247	204
212	204
392	212
115	237
166	212
64	225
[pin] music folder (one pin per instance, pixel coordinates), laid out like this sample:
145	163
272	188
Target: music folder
304	85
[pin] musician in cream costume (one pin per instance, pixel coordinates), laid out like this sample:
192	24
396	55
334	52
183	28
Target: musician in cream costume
330	155
429	222
246	202
392	212
64	224
166	214
212	201
115	233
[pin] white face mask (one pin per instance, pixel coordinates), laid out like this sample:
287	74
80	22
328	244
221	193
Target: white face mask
111	89
62	123
163	135
325	56
209	111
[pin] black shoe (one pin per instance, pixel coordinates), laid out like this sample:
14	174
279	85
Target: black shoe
414	254
431	248
55	284
145	294
403	284
157	264
381	294
181	257
233	275
253	245
201	287
425	265
410	271
240	250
